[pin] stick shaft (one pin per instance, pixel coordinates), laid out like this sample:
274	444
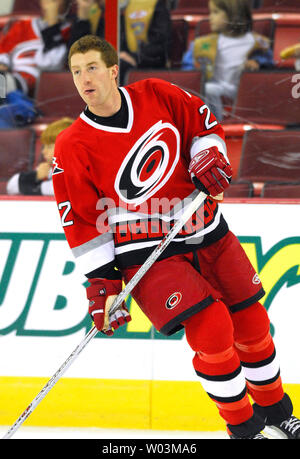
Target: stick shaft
194	205
117	303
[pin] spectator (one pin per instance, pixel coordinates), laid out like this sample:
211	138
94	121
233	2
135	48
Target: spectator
35	44
144	31
39	181
231	48
292	52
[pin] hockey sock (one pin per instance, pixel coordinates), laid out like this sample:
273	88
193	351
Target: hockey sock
216	362
256	350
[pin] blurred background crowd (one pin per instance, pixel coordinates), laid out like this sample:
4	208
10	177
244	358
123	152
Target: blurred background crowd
242	57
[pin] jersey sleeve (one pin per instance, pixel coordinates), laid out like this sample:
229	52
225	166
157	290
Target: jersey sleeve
198	126
84	221
9	40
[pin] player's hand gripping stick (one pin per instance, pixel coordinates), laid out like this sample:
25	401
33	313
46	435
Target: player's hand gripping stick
101	294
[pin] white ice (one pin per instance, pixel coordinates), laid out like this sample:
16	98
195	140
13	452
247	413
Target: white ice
26	432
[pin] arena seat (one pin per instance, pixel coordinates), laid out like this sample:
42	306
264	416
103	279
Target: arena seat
26	7
179	35
241	189
270	156
281	190
278	6
269	97
56	96
16	152
191	7
190	80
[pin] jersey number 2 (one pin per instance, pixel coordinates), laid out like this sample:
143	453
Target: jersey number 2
67	206
207	122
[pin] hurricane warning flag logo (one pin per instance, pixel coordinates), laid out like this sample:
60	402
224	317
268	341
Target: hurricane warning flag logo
149	164
56	168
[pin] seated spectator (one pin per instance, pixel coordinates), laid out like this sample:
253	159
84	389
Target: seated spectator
231	48
39	181
32	45
292	52
144	31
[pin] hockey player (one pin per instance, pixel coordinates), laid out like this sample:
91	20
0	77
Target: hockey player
122	172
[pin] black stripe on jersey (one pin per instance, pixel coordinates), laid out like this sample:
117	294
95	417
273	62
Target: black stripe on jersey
235	398
260	363
265	382
226	377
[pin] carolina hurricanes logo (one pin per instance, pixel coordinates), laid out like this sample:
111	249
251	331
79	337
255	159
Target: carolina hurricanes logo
149	164
173	300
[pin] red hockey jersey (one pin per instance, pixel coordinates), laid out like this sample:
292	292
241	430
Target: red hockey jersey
119	190
22	49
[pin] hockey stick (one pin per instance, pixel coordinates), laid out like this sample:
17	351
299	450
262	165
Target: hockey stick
195	204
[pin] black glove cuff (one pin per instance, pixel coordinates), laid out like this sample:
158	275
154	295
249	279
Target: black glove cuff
200	185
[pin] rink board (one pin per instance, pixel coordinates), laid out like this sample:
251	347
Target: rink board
138	378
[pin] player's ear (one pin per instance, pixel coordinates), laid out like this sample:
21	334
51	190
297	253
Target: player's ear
115	71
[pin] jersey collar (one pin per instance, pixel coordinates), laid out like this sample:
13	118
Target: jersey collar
103	127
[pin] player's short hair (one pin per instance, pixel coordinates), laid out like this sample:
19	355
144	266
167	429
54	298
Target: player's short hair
239	15
93	43
49	135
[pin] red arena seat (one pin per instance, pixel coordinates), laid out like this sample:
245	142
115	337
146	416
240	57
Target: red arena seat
280	6
16	152
268	97
56	96
191	7
189	80
239	190
281	190
270	156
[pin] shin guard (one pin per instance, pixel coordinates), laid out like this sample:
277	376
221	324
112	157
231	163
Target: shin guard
256	350
210	335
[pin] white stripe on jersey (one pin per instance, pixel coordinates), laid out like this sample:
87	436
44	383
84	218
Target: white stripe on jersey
97	257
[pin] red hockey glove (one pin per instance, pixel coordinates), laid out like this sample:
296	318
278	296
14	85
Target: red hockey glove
101	295
210	171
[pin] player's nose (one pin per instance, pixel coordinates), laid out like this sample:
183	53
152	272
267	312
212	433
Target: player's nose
86	78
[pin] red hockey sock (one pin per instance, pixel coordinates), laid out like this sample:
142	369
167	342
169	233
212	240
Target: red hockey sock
216	362
256	350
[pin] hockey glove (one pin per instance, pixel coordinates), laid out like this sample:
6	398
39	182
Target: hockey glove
101	295
210	171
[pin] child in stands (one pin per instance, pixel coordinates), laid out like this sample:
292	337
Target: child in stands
39	181
231	48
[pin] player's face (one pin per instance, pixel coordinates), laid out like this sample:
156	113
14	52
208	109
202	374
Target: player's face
95	82
217	18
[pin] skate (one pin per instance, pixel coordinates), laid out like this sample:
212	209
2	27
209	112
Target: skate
288	429
258	436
